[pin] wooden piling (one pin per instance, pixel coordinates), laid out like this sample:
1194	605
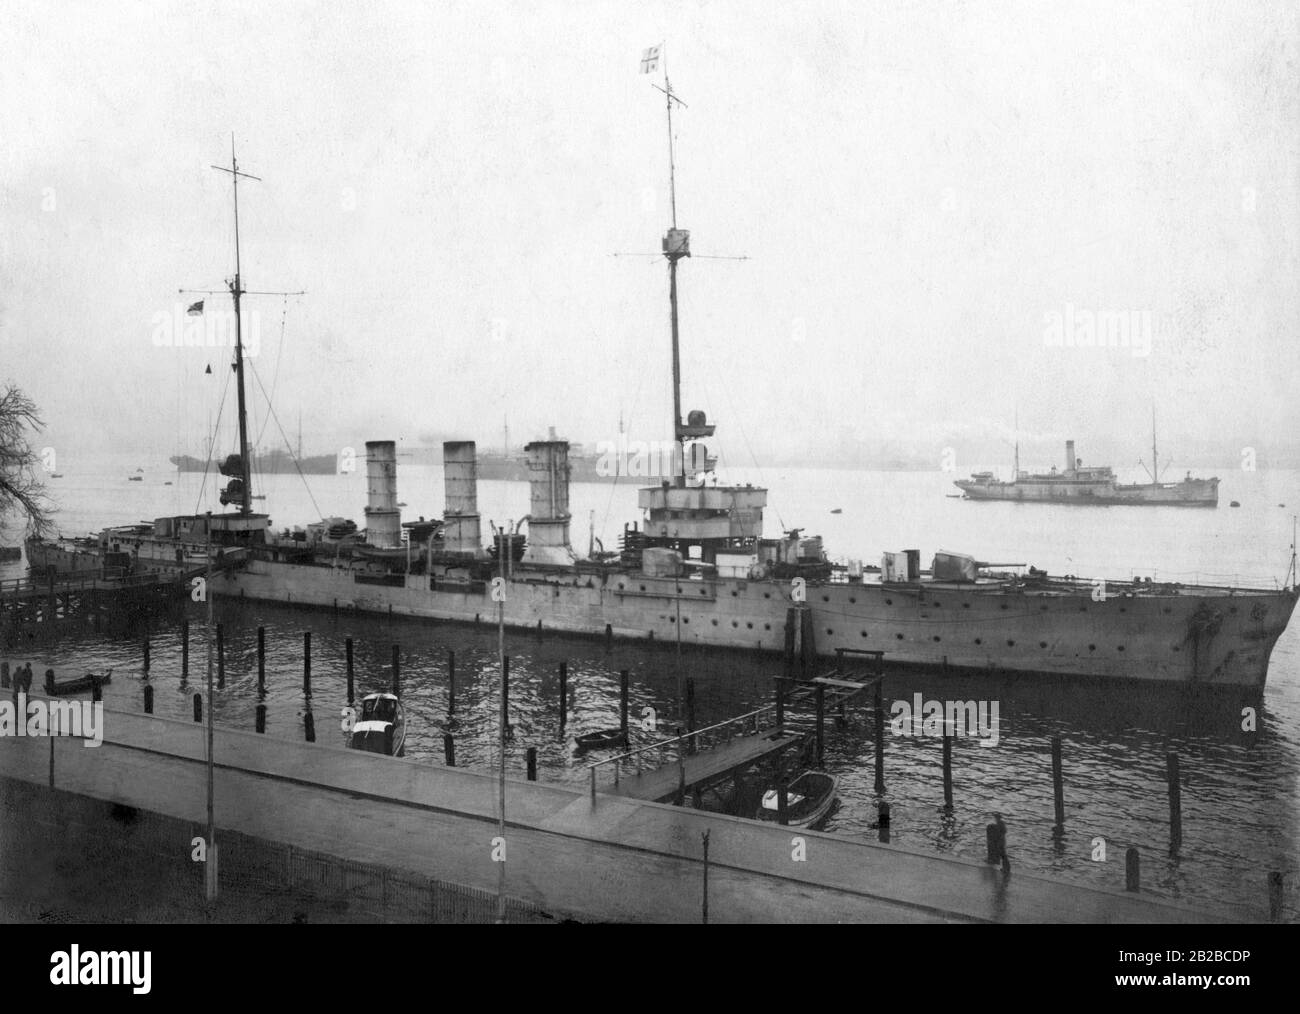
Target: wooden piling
691	744
564	695
532	763
198	707
146	656
261	660
880	735
991	836
451	684
1175	802
947	766
622	704
397	671
148	698
782	799
681	769
185	648
309	727
221	657
1132	870
505	691
306	663
780	702
96	690
1275	897
260	721
1058	783
347	647
882	821
4	675
821	724
609	635
449	749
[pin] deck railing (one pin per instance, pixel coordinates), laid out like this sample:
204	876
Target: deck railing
750	723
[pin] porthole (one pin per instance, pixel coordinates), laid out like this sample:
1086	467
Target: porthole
1042	644
767	626
715	623
899	636
1121	647
733	592
1092	647
1011	644
749	626
979	640
1004	605
734	623
829	632
852	601
936	637
965	605
889	602
826	598
864	633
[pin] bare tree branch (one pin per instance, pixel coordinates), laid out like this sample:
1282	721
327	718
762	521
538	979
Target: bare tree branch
21	489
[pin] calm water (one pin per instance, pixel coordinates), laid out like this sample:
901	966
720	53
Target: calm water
1240	813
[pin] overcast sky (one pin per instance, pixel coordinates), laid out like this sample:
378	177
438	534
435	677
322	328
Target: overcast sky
928	193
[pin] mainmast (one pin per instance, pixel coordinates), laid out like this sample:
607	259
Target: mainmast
236	292
676	245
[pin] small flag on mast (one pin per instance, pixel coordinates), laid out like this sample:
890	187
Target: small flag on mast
650	60
196	309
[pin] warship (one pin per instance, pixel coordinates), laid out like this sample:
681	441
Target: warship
1094	485
697	569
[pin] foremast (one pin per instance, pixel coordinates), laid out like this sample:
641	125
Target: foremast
236	294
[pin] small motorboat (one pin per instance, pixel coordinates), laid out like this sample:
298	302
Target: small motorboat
1235	503
76	685
381	727
56	475
808	800
602	740
837	510
135	478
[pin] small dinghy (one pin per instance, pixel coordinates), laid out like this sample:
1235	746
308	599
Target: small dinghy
808	799
602	740
381	727
76	685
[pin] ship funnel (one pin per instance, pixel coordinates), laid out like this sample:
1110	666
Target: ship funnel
461	519
383	519
548	522
1071	462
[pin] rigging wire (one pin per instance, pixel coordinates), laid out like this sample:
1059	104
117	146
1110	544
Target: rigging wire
212	440
296	463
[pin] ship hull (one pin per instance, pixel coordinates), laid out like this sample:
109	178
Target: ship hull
1183	637
1196	493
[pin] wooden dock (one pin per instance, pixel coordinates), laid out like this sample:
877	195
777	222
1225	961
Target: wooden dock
610	858
699	771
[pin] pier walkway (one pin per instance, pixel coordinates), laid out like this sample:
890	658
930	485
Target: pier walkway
607	857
